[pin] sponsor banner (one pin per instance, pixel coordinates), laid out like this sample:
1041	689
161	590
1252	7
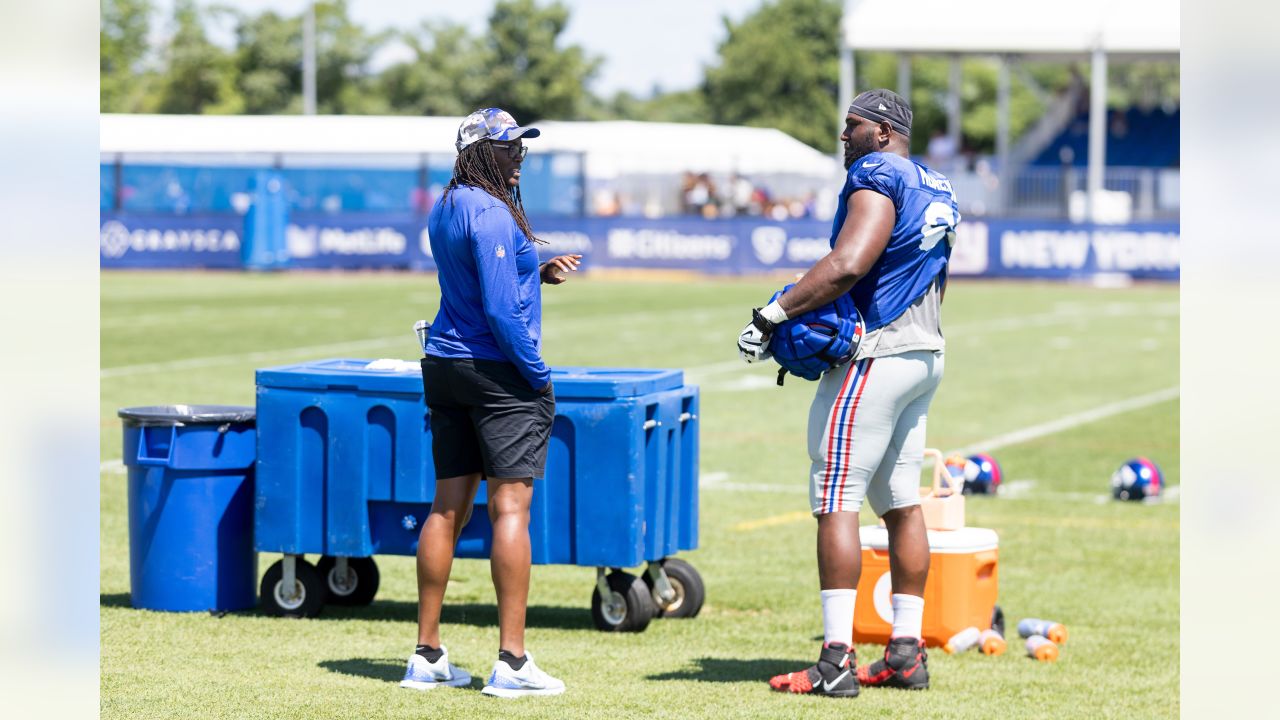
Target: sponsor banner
987	247
358	240
1031	249
206	241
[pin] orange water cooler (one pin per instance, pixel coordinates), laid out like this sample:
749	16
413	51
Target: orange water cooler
959	593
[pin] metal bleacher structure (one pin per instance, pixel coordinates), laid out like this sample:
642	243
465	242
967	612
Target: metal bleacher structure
1126	159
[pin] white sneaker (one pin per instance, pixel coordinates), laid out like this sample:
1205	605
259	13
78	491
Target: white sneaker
424	675
528	680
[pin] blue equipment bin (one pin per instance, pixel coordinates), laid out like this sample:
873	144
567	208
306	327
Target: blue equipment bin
671	483
191	507
345	467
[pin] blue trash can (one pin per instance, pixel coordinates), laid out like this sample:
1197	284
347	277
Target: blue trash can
191	506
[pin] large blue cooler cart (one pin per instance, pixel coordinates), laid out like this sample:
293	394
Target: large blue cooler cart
345	471
190	498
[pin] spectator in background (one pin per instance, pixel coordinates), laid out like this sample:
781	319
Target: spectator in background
810	204
708	208
608	203
740	193
1119	124
687	183
940	151
420	200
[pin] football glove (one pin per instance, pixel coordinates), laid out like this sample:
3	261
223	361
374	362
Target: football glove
753	341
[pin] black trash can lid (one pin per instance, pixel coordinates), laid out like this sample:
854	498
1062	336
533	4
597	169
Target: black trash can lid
187	414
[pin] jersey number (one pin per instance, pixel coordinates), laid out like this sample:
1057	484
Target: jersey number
939	223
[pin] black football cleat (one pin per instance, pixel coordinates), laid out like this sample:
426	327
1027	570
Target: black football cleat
905	665
835	675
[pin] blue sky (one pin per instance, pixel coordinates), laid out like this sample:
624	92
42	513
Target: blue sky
644	43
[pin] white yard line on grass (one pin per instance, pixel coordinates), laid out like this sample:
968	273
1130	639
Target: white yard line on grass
1020	489
719	481
1067	422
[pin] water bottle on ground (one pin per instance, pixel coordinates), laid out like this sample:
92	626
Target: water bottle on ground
962	641
1055	631
991	642
1041	648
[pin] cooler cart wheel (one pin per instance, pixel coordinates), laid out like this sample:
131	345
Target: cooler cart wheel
621	602
687	584
997	620
304	599
356	586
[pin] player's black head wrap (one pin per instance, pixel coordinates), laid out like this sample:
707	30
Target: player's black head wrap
884	106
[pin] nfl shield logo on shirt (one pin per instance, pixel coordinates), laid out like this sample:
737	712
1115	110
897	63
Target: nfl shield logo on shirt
501	251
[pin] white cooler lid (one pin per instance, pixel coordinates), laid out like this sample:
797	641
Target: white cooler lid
963	541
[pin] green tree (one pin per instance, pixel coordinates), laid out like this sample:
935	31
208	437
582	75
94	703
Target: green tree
930	85
681	106
779	68
527	74
1143	84
122	48
200	77
344	83
269	59
445	77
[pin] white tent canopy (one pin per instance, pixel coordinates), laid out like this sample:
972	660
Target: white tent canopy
611	149
1013	26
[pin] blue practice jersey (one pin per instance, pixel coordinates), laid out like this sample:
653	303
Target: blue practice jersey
490	288
923	234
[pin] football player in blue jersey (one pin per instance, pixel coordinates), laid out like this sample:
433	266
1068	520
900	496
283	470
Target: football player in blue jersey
890	243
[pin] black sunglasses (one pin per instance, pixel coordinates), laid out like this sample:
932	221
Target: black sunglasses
512	151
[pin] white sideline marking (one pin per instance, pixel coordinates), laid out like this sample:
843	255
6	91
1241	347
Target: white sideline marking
1015	488
718	481
212	360
112	467
712	478
1069	421
800	488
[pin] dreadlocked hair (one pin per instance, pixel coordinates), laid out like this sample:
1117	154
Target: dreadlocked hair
476	166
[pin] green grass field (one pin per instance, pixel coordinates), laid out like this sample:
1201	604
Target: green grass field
1020	355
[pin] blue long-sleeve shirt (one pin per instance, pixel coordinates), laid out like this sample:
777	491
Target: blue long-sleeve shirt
490	288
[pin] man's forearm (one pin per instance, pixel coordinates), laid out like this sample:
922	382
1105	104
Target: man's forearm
827	280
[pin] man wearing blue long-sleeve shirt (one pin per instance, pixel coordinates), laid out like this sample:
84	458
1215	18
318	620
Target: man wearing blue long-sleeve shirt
489	393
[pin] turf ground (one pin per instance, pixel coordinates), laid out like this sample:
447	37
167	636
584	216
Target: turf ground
1060	362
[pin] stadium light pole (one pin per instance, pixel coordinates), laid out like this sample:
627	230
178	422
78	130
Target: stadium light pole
904	76
309	60
846	87
1097	132
1002	131
953	107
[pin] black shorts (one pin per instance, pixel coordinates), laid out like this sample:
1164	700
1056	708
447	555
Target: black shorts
486	418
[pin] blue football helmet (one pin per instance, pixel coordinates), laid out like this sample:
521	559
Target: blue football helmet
1137	479
816	341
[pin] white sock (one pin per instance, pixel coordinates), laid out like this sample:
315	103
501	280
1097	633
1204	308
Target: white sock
837	616
908	615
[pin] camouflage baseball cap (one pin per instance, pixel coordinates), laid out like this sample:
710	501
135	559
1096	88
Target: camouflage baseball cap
491	124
